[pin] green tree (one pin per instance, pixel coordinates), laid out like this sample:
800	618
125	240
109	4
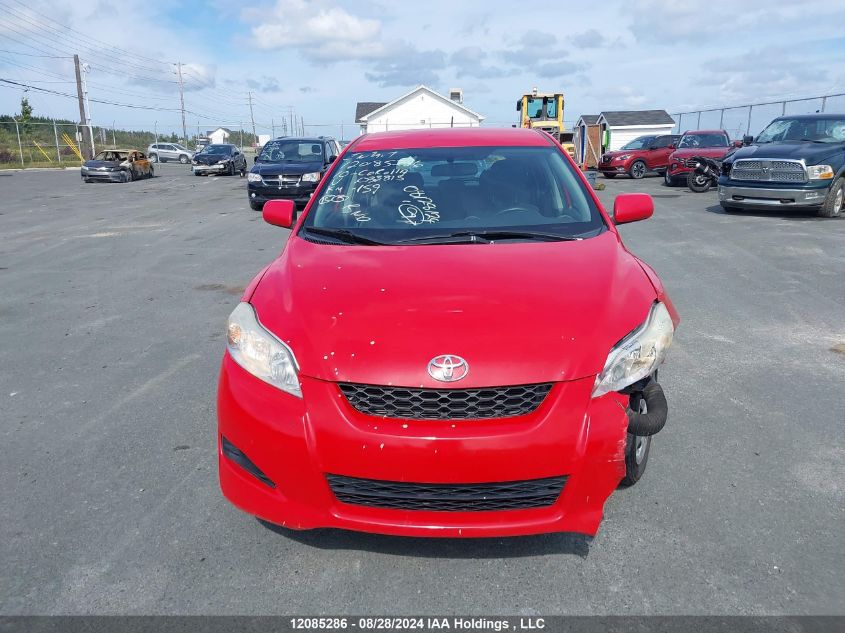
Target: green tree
26	116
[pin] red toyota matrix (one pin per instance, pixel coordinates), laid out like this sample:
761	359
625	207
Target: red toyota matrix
453	342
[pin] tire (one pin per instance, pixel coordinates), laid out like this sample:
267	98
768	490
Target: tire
129	176
197	174
637	450
833	202
611	176
152	172
256	206
242	172
668	180
153	158
699	183
87	180
231	171
638	170
183	159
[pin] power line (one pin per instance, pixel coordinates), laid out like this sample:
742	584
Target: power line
32	55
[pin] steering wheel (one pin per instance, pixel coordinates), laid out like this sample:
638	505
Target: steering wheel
514	210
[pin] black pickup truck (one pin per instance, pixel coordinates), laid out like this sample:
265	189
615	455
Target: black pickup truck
796	162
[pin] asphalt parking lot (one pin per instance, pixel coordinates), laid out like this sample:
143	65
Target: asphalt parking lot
112	313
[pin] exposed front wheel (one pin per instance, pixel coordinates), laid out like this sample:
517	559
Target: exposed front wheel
256	206
832	206
699	183
668	180
183	159
638	170
153	158
637	448
128	176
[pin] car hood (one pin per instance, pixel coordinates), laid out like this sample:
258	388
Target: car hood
710	152
813	153
210	159
517	313
286	167
94	164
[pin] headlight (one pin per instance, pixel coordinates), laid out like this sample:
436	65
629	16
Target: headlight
312	177
252	177
638	354
223	162
259	352
820	172
623	157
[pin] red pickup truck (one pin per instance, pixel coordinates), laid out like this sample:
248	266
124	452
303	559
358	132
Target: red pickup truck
710	143
636	158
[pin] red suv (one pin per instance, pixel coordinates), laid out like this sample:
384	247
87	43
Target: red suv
643	154
709	143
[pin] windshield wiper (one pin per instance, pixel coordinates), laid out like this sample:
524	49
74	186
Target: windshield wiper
343	235
485	237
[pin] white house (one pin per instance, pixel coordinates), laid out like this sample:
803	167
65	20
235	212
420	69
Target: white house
420	108
218	136
622	126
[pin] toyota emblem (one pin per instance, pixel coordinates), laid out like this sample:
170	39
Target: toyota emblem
447	368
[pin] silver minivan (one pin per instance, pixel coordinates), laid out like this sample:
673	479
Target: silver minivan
163	152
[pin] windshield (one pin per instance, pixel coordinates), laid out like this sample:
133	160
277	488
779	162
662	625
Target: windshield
702	140
827	130
111	155
217	149
292	151
395	195
639	143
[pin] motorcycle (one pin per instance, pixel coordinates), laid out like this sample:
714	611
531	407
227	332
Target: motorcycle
705	173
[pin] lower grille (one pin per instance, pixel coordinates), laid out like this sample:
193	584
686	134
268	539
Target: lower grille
445	404
505	495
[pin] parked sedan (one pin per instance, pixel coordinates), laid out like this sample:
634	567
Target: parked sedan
117	165
221	158
453	342
640	156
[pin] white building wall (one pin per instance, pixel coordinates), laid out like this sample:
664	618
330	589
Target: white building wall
218	136
419	111
619	136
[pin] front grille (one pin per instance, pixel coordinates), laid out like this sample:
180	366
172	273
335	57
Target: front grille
505	495
768	170
283	180
445	404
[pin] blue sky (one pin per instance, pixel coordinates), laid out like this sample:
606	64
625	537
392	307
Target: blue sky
320	57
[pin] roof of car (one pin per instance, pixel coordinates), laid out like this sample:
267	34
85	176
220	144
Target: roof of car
449	137
817	115
706	132
307	139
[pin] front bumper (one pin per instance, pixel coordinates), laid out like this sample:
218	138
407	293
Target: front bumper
260	193
750	197
296	443
210	169
106	176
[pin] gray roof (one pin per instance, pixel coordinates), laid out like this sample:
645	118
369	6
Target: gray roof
589	119
638	117
363	108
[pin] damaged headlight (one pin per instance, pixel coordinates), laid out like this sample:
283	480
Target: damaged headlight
259	352
638	354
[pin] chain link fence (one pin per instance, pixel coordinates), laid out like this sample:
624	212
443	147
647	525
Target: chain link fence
751	118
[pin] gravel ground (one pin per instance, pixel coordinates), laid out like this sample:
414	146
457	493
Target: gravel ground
113	305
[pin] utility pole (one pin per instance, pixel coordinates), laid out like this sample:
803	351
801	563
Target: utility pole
292	127
273	127
85	69
182	101
81	98
252	118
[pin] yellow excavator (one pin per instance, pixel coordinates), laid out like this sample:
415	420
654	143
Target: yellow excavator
544	111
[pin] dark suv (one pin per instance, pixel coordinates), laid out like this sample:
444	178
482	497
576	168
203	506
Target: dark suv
797	161
290	167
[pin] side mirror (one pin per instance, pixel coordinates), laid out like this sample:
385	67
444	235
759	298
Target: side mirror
279	213
672	146
332	159
254	159
747	139
631	207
